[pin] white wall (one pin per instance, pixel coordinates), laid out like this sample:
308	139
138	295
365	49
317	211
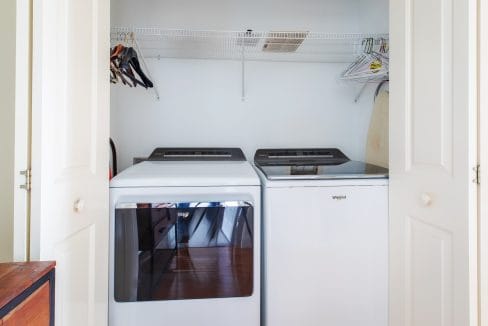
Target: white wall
316	15
288	104
7	121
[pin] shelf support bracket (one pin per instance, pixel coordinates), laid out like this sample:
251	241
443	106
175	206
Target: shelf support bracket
243	81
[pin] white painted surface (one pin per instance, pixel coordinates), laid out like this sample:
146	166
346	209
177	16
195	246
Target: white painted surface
70	154
433	247
189	174
287	104
284	183
326	260
483	157
243	311
373	14
320	15
7	128
23	88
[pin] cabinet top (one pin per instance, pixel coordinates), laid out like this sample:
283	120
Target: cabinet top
17	277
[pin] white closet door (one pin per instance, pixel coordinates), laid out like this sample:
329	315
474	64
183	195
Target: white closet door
433	248
70	154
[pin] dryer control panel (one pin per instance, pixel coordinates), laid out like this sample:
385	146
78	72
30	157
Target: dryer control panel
197	154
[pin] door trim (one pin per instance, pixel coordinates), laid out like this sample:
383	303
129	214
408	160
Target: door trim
23	105
483	159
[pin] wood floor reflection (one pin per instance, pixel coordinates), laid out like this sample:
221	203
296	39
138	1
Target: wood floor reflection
195	273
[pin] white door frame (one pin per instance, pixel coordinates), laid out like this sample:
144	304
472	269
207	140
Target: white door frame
483	158
23	86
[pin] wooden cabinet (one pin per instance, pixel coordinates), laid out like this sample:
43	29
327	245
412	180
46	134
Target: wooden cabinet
27	294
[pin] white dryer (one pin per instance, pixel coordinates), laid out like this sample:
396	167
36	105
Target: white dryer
325	226
185	240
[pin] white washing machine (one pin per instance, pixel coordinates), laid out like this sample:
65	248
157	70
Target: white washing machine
325	226
185	240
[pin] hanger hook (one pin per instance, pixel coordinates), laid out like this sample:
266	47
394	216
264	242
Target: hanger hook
368	44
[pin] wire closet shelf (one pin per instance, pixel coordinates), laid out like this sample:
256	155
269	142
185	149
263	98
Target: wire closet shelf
296	46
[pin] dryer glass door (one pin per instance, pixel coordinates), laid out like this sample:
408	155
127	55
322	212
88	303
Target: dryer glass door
172	251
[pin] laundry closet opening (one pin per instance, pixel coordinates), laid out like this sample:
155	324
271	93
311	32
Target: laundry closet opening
229	117
294	95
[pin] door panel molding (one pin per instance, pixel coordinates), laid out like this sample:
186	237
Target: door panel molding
429	291
430	99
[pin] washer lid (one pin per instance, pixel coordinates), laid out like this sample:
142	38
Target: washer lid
313	164
187	174
348	170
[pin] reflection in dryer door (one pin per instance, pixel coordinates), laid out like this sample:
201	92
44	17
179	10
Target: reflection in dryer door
174	251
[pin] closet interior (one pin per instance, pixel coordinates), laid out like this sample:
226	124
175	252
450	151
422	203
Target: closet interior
197	88
259	74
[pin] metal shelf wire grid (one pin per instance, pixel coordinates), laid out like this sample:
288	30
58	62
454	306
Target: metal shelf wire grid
297	46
